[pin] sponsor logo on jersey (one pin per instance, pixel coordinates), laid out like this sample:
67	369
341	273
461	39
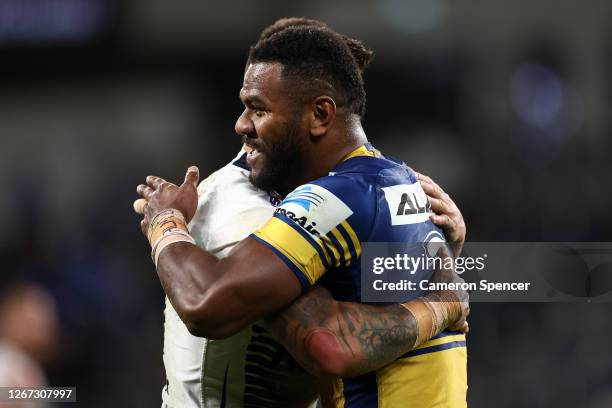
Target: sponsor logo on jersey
407	203
302	221
304	197
433	242
315	209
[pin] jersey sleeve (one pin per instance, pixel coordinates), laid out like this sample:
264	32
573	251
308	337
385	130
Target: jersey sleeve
319	226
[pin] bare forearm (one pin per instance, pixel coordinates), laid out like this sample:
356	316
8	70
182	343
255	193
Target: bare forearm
187	273
216	298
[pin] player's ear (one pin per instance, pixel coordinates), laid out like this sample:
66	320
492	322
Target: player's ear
323	114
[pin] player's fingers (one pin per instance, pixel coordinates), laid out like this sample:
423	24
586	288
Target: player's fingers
439	206
166	185
144	191
432	190
155	181
139	205
144	226
423	177
192	176
434	186
443	221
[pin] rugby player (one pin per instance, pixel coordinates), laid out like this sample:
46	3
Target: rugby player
219	297
244	369
251	368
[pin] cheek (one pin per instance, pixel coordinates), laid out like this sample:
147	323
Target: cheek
267	134
259	128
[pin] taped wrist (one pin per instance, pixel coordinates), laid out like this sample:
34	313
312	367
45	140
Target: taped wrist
433	313
168	227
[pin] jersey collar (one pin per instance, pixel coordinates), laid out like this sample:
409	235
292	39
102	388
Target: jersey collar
363	150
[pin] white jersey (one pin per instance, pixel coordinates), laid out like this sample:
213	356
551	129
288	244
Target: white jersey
248	369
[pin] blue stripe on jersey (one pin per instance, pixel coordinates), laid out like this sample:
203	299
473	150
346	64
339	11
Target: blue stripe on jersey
361	391
330	252
338	246
433	349
349	242
303	281
306	236
447	333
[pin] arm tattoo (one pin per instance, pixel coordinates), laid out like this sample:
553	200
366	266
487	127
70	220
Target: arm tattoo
369	336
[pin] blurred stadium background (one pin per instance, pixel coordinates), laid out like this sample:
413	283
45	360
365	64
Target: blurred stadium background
506	104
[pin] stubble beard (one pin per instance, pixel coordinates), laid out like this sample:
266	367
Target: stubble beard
284	163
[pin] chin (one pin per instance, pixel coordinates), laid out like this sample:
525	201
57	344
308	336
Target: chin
254	178
254	173
259	180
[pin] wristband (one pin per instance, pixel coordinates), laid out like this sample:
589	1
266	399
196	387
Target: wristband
166	221
433	313
167	227
167	239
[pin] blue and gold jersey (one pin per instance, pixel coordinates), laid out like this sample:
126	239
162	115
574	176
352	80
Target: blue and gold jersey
318	230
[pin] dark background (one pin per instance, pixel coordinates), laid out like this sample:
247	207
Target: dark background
505	104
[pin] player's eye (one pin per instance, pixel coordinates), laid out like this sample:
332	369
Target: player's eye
259	113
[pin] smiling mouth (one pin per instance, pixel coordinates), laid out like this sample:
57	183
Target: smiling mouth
252	155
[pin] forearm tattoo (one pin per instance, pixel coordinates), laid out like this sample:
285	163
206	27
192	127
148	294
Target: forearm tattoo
369	336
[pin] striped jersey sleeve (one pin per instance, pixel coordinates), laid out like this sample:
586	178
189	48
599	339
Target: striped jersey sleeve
319	226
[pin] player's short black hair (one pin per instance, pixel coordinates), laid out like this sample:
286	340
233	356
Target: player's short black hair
317	58
286	22
362	54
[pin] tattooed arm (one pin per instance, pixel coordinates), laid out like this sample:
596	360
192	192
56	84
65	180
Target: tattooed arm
343	339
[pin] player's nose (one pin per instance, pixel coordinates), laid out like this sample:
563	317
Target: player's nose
243	126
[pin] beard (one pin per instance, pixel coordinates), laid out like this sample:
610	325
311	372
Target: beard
284	162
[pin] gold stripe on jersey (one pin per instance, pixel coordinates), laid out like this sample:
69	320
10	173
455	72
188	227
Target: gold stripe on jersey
360	151
425	381
327	250
336	398
294	246
329	244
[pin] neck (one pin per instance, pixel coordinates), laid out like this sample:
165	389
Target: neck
329	150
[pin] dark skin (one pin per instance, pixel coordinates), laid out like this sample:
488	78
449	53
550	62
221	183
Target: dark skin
216	298
342	339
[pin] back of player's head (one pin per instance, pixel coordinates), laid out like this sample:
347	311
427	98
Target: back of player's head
283	23
319	62
361	53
